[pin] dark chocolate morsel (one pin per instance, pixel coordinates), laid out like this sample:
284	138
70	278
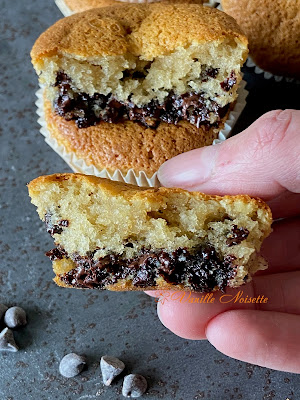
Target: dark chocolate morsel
7	341
110	368
15	317
71	365
134	385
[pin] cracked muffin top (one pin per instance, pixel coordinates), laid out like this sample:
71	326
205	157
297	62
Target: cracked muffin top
144	30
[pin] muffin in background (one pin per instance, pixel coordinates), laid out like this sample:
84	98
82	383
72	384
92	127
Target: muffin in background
69	7
273	31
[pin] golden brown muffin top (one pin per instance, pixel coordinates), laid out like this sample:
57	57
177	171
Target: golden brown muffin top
144	30
156	195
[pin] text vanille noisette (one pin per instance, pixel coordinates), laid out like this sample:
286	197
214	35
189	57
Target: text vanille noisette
208	298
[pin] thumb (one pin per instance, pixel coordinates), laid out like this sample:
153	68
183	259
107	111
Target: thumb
263	160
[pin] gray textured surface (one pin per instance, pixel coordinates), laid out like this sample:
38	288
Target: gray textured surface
93	323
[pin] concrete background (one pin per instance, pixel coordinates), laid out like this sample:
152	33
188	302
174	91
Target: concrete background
94	323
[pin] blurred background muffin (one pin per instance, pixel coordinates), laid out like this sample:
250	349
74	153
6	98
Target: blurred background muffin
69	7
273	30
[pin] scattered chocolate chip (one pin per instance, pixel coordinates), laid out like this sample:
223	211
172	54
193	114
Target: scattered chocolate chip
15	317
71	365
237	236
110	368
7	341
134	385
3	309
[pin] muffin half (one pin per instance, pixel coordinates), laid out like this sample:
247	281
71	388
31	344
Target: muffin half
114	236
135	68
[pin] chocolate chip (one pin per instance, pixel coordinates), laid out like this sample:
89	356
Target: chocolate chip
134	386
110	368
15	317
129	245
208	73
51	228
3	309
56	254
71	365
237	236
63	222
7	341
228	83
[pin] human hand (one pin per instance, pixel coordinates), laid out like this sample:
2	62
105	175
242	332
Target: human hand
262	161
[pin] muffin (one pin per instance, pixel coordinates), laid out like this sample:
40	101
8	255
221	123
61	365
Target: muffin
69	7
273	30
129	87
110	235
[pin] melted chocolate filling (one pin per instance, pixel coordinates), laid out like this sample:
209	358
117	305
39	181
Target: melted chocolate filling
200	271
88	110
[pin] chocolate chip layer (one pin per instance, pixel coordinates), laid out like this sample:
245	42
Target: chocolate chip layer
201	270
88	110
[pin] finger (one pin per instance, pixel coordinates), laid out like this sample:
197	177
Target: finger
187	314
261	161
281	248
285	205
268	339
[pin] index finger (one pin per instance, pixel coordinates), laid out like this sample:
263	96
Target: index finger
262	161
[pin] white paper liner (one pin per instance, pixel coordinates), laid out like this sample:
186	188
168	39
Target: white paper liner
65	10
140	178
268	75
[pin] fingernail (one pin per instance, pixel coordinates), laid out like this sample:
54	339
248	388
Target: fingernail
188	169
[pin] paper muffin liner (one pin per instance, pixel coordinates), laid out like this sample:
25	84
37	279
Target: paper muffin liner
140	178
268	75
65	10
